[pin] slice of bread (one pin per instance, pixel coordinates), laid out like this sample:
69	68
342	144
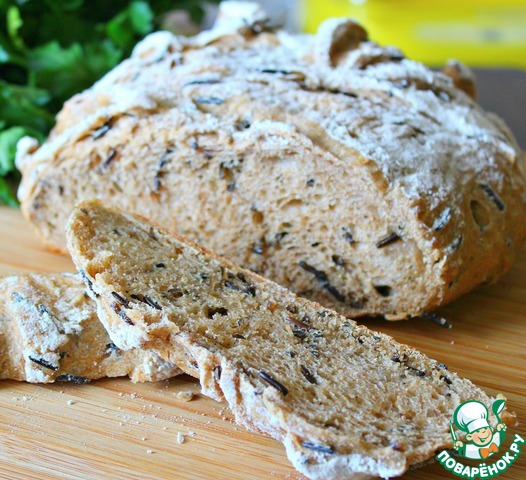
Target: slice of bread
49	331
346	401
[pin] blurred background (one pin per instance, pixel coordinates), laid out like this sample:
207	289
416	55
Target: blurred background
480	33
52	49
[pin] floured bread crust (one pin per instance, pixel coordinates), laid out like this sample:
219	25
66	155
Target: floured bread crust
346	401
336	167
49	331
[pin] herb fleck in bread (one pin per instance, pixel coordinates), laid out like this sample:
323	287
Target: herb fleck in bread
346	401
49	331
333	166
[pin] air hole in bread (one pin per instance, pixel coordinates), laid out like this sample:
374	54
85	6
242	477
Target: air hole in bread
211	311
225	173
480	214
296	202
384	290
257	217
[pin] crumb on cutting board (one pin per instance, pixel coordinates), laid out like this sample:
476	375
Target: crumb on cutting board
184	395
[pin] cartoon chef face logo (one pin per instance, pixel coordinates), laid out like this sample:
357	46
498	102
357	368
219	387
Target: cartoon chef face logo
481	440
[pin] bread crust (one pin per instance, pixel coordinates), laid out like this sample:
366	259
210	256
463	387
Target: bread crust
49	331
280	150
116	252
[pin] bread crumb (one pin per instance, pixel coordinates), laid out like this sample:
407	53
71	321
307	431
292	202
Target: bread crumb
180	437
71	402
452	342
149	451
185	395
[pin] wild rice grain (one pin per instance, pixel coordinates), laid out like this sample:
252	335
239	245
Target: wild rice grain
43	363
273	382
121	299
318	448
393	237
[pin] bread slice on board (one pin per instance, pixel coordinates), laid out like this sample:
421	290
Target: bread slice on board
49	331
336	167
346	401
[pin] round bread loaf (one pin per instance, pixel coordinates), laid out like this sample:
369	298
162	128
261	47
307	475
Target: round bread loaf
336	167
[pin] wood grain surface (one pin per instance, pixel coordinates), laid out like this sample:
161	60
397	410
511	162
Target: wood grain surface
114	429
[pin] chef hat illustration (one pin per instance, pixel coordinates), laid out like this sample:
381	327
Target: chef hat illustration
471	416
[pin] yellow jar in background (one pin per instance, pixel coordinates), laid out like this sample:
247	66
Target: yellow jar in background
479	33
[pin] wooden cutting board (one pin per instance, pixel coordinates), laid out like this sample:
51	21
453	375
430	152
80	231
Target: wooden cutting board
120	430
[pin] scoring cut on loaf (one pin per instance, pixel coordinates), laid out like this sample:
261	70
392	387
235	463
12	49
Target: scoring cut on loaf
49	331
346	401
336	167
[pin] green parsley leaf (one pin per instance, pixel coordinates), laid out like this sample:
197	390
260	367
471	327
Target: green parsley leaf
25	106
8	140
14	22
130	24
64	71
6	195
53	49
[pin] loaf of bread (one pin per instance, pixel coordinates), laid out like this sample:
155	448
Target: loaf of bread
347	402
49	331
338	168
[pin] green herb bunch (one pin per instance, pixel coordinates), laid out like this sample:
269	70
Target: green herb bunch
52	49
